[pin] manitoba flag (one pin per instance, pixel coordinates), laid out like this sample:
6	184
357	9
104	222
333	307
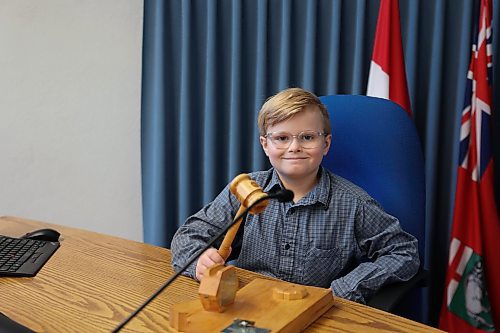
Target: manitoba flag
471	301
387	78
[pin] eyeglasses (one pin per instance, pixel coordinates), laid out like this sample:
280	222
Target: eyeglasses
307	139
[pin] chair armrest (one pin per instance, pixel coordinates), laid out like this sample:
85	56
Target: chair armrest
389	296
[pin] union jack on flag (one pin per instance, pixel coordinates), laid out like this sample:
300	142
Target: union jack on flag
471	301
476	154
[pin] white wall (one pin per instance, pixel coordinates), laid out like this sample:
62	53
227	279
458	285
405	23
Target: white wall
70	80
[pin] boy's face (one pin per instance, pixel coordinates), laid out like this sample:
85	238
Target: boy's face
296	162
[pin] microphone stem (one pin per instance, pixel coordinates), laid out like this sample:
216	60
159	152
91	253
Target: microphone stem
231	234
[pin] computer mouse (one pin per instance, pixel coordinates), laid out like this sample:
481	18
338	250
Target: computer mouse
50	235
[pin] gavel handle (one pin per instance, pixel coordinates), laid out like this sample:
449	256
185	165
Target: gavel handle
231	233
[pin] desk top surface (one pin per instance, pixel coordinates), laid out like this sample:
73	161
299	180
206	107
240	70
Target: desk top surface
95	281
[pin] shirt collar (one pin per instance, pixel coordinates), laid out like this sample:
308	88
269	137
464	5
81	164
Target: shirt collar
274	182
320	193
323	188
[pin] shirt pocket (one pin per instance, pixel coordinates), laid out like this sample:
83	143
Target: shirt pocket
322	266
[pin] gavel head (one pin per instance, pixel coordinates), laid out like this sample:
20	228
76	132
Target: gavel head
247	191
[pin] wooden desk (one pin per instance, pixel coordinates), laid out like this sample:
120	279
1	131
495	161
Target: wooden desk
94	281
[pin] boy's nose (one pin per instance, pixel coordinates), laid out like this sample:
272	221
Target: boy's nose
295	145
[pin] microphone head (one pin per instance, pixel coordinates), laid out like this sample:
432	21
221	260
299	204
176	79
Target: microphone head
283	195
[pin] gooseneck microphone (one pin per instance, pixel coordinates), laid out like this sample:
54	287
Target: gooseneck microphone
247	191
282	195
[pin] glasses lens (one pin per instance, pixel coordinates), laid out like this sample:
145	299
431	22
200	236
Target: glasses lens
281	140
309	139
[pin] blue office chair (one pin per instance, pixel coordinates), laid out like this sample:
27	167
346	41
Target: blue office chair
375	145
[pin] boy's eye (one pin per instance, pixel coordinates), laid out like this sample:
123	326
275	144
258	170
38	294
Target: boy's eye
308	137
283	138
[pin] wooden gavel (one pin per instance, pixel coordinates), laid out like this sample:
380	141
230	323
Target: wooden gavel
248	192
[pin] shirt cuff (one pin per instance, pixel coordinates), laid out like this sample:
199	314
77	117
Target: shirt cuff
191	271
343	290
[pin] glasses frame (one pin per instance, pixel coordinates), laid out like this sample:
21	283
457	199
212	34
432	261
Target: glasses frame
294	136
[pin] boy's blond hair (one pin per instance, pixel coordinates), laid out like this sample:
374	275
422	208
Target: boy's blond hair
287	103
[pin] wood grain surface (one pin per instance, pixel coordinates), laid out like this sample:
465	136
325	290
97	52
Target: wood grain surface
94	281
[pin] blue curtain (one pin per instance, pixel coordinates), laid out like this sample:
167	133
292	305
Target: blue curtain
208	65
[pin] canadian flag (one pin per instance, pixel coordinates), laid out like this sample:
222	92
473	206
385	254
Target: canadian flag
387	77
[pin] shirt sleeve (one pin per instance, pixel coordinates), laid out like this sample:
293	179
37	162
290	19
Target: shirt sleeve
200	228
387	254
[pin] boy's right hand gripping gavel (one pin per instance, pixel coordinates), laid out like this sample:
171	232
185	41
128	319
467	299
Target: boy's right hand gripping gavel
247	191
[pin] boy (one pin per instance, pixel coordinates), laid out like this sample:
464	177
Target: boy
333	234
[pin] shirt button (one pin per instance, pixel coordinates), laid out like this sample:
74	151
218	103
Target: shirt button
287	246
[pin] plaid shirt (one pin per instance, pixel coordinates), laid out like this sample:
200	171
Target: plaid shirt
336	236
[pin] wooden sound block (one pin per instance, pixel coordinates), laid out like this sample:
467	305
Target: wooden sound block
218	288
274	305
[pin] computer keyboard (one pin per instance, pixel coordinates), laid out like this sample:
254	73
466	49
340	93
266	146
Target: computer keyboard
24	257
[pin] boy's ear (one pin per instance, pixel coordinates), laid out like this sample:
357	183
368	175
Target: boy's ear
328	143
263	143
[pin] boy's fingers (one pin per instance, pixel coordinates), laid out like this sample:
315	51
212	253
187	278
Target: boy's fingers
216	257
211	257
208	259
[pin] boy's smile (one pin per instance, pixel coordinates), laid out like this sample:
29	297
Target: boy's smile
294	159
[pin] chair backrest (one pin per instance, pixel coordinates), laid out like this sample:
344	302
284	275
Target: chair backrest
375	145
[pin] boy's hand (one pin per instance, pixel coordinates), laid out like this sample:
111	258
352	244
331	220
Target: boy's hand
208	259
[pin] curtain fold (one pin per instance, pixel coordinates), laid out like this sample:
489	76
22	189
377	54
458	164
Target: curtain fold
208	65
